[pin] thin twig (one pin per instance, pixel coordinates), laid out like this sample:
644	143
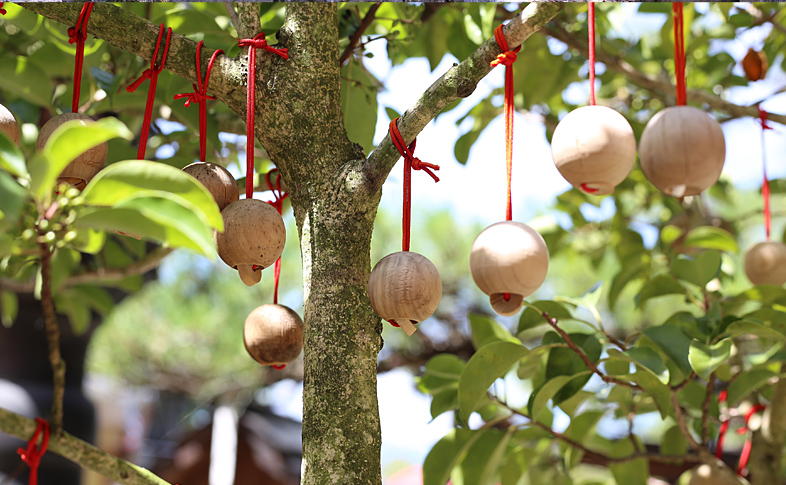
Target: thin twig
683	384
580	352
760	18
233	15
53	338
353	41
705	409
679	416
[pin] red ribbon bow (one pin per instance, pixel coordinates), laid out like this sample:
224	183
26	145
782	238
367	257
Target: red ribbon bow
32	455
259	42
193	97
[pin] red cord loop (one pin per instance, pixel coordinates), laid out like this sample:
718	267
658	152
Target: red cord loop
78	34
200	96
746	448
32	455
279	367
507	62
679	53
258	42
765	185
151	73
410	162
278	204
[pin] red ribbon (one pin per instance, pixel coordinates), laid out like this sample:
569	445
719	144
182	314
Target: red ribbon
258	42
77	34
278	204
2	10
765	185
746	448
151	73
200	96
679	54
507	58
32	455
724	427
410	163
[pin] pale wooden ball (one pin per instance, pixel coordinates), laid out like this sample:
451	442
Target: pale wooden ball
405	289
218	181
273	335
9	125
765	263
509	257
254	235
594	149
84	167
682	151
709	475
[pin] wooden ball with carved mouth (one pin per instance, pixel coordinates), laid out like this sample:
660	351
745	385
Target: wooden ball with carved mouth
765	263
405	289
594	149
273	335
83	168
9	125
253	238
509	261
682	151
217	180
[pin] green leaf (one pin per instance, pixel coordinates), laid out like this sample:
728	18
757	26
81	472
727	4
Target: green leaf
9	307
392	114
516	464
532	316
89	241
656	389
75	309
704	359
660	285
746	383
673	442
634	268
646	358
12	198
67	142
124	181
699	271
550	390
359	104
25	79
446	454
64	262
633	472
710	237
673	342
486	330
442	372
11	158
484	457
750	327
565	362
97	298
486	365
443	401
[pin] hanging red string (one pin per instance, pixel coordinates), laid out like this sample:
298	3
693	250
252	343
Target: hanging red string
151	73
724	427
746	448
77	34
200	96
410	163
679	53
591	27
258	42
32	455
507	58
765	185
278	204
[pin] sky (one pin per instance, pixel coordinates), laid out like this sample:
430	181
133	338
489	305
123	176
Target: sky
475	191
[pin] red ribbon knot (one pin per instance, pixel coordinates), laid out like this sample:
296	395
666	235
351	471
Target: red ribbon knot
32	455
508	57
259	42
418	164
194	97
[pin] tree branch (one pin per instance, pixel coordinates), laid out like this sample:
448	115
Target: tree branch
80	452
353	41
656	85
53	339
248	20
761	18
459	82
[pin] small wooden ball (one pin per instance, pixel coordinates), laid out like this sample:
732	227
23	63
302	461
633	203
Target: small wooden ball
709	475
218	181
253	238
765	263
9	125
273	335
405	289
84	167
509	258
594	149
682	151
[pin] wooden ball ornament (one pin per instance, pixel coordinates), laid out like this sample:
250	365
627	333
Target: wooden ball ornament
509	258
594	149
765	263
253	238
273	335
9	125
218	181
709	475
84	167
682	151
405	289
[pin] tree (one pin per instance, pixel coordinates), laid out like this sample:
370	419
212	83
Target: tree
335	187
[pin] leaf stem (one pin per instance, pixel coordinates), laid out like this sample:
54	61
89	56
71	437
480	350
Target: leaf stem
53	339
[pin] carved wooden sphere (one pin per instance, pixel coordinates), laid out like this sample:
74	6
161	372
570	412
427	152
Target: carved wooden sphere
273	335
84	167
405	289
765	263
509	258
682	151
253	238
9	125
218	181
708	475
594	149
